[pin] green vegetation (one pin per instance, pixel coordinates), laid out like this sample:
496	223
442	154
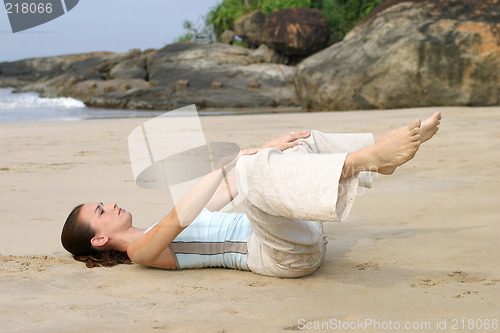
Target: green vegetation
341	15
270	5
193	29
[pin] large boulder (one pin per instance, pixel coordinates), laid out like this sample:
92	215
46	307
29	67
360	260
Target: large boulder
296	31
409	54
250	28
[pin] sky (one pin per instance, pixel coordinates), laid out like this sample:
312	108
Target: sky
103	25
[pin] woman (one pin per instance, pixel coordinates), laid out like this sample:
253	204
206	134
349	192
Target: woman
290	185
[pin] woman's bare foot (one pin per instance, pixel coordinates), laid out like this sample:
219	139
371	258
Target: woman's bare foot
397	149
385	156
430	126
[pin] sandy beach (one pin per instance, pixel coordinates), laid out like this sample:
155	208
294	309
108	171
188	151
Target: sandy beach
420	248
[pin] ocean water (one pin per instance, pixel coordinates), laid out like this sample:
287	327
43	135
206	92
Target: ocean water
30	107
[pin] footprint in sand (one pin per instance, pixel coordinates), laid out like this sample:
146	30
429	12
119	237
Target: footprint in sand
258	284
86	153
467	292
368	265
16	264
456	277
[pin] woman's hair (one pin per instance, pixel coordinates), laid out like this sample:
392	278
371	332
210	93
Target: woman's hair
76	236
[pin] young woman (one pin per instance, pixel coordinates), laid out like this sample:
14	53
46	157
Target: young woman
290	186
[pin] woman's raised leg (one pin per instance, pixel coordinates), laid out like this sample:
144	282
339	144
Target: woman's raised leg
385	155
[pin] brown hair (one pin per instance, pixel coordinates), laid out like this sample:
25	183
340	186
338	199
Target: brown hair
75	238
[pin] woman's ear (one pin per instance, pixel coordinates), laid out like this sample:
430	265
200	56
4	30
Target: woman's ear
99	241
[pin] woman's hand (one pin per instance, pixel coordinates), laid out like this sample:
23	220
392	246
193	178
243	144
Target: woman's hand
229	162
287	140
282	142
248	152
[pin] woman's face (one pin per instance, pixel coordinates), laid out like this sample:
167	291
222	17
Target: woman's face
106	219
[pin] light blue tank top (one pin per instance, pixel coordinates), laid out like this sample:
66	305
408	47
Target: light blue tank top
214	239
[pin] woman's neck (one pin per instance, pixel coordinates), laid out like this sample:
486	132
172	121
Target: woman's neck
122	241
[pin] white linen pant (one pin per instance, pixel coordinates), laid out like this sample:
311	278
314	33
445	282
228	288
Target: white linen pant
287	196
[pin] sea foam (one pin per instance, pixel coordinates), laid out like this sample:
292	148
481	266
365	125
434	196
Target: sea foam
32	100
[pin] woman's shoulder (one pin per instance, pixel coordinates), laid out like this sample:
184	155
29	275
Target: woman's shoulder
151	247
140	253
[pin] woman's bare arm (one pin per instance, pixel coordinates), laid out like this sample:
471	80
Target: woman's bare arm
225	193
152	245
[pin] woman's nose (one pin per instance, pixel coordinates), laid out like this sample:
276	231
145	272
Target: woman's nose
113	205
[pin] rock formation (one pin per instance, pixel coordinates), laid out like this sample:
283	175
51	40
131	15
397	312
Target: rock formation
296	31
250	27
211	76
408	54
